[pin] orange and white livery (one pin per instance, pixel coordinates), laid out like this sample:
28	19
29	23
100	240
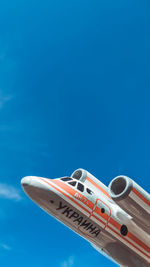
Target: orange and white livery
114	219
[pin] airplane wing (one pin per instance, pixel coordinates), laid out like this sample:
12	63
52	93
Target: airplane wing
101	251
120	254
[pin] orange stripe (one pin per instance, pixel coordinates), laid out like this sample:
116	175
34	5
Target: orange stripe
103	215
72	192
105	205
130	235
65	195
141	196
76	202
139	242
128	241
117	225
114	223
98	219
96	185
133	238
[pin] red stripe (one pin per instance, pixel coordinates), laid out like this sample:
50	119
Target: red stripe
133	238
103	215
65	195
72	192
141	196
130	235
139	242
98	219
128	241
113	222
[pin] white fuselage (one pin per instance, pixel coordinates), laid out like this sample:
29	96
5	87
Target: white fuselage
93	215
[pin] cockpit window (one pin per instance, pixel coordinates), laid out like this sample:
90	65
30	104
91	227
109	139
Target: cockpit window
80	187
66	179
89	191
73	183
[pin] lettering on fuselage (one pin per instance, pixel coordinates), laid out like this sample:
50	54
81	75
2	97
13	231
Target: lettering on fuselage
78	219
81	198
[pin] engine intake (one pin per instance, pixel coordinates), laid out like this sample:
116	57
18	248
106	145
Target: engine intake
79	174
131	198
120	187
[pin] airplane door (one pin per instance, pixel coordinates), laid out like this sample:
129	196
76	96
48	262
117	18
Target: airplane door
101	213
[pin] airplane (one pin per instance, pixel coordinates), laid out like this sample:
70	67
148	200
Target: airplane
114	219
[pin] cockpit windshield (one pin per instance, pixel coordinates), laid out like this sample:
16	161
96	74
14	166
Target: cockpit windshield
74	183
80	187
66	179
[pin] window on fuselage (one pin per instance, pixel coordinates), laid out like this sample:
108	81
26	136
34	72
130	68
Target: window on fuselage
66	179
73	183
80	187
89	191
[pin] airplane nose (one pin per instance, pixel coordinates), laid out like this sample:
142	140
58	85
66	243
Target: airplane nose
26	181
36	188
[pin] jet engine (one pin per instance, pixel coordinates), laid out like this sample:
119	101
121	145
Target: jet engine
132	199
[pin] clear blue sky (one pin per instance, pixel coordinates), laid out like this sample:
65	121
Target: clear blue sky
74	92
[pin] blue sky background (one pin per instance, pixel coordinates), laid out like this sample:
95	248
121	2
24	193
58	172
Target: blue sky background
74	92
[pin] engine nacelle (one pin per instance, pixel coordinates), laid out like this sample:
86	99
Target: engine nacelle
80	174
131	198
